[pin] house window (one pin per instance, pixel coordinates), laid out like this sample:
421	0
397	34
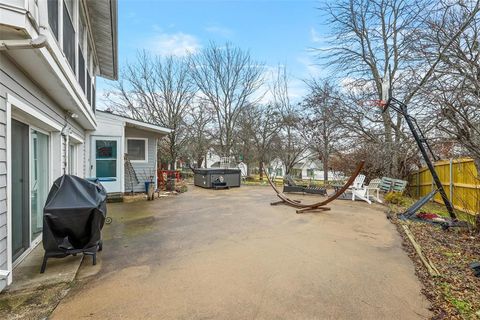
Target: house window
296	173
53	16
82	30
81	51
137	149
81	69
94	99
69	34
310	173
89	88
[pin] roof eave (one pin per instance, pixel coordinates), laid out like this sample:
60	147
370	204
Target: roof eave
129	122
103	16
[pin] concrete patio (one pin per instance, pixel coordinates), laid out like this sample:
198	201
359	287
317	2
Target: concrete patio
230	255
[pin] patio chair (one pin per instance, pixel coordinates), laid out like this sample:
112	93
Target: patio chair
292	186
374	187
358	190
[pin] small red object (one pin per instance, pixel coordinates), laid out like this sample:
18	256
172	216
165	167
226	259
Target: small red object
427	215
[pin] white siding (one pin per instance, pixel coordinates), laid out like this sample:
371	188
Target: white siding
144	169
3	190
15	83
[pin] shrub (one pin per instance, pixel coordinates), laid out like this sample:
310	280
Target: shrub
395	198
181	187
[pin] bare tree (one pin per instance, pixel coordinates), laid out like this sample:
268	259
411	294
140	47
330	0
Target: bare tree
291	146
259	126
321	126
199	134
377	40
454	93
158	90
228	79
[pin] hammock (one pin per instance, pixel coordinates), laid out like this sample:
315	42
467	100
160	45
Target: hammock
314	206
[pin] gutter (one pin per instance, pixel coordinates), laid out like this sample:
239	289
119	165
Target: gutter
38	42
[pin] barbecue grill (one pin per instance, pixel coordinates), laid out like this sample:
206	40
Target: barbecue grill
73	217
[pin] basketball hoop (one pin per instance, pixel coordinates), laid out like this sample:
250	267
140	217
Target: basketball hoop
375	103
379	103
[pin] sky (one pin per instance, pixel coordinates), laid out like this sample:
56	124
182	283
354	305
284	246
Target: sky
281	32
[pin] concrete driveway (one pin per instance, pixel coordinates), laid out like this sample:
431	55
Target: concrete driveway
228	254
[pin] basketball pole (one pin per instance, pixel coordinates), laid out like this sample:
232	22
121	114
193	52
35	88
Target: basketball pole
422	144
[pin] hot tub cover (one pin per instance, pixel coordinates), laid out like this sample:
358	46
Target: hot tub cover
73	216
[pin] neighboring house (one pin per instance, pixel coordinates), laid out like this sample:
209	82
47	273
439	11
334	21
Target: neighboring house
213	160
308	168
50	54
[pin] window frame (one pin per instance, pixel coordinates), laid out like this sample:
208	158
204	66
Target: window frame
145	140
73	21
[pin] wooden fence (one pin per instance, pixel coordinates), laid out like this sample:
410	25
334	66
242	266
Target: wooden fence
459	178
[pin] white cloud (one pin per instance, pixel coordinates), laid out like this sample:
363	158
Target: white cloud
315	36
219	30
176	44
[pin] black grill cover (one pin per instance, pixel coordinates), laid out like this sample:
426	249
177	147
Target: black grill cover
73	216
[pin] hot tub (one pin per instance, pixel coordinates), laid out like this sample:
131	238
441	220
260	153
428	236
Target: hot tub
217	178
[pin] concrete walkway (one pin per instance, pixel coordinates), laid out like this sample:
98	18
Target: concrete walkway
228	254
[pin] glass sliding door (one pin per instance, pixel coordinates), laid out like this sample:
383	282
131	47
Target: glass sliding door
20	196
39	182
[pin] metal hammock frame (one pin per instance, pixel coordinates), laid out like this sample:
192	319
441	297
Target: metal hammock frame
301	208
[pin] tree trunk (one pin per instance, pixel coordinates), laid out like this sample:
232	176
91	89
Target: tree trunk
325	170
199	162
260	166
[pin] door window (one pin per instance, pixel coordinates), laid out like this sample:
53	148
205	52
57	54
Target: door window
106	158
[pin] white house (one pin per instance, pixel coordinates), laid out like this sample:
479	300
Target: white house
50	55
213	160
306	169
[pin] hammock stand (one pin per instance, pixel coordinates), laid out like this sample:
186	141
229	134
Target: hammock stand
301	208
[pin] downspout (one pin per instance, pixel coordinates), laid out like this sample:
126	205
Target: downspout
38	42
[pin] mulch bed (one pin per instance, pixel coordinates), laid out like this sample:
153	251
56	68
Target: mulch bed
455	294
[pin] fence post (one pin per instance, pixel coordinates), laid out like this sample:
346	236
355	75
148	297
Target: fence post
433	182
451	181
418	183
